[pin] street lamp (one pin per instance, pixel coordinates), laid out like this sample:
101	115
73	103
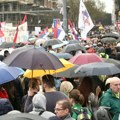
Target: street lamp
65	24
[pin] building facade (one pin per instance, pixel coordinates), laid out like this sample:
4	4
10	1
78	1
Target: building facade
39	12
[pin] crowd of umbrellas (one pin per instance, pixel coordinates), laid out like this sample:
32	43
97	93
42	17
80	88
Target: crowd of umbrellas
38	62
32	62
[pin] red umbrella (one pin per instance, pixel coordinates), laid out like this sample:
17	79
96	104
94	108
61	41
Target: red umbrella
85	58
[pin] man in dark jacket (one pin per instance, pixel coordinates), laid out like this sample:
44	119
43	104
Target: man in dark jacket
111	98
51	94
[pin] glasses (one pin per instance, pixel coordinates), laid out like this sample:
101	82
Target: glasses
58	109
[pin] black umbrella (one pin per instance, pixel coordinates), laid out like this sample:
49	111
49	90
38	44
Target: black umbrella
113	35
108	40
21	116
33	58
69	73
116	62
97	68
64	55
73	41
73	47
51	42
8	45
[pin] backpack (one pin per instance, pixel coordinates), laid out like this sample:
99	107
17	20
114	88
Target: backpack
102	114
83	113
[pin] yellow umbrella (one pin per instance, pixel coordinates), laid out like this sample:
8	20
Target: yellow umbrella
40	73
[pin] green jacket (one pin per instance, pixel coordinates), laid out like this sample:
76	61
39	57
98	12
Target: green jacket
110	100
77	107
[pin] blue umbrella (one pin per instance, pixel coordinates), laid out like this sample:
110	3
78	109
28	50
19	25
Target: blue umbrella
8	74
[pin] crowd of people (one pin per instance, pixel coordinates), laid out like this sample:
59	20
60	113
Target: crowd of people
43	96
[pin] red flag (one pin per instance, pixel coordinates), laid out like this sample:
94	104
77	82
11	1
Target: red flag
16	35
1	32
55	31
24	19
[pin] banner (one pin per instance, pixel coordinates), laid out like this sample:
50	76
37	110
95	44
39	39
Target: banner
9	33
118	26
85	23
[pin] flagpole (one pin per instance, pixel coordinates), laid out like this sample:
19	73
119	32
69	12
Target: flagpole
65	25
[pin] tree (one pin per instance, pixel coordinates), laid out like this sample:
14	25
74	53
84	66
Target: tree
95	9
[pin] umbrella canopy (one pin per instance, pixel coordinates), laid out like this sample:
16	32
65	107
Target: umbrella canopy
97	68
113	35
85	58
38	73
108	40
73	41
69	73
21	116
40	41
116	62
72	47
2	64
51	42
8	45
60	45
64	55
33	58
9	73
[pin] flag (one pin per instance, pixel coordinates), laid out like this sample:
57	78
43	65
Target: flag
73	30
61	11
1	32
85	23
56	25
61	34
24	19
43	33
16	35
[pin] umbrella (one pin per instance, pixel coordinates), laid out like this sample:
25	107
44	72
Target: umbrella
113	35
97	68
10	50
64	55
33	58
69	73
38	73
85	58
40	41
116	62
8	45
108	40
2	64
72	47
21	116
73	41
51	42
60	45
9	73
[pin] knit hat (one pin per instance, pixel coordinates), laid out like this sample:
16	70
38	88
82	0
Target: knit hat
66	87
39	101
